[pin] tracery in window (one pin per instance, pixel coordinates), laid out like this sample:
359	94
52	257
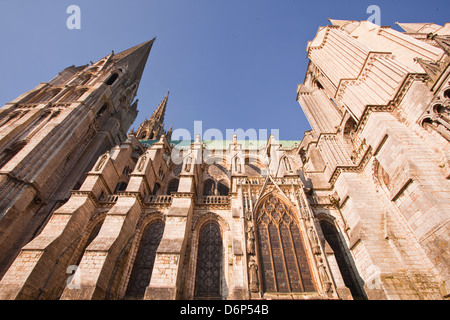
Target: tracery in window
283	262
10	152
11	117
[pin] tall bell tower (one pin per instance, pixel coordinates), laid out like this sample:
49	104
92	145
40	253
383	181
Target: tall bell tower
52	135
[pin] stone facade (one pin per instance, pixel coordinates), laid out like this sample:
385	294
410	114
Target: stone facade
358	209
378	102
52	135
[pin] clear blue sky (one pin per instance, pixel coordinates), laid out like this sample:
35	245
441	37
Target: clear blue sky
230	63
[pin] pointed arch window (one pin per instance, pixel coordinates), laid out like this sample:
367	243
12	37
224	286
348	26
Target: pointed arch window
121	186
47	96
173	186
155	189
73	95
282	257
30	97
145	259
102	110
112	79
209	262
209	187
11	151
141	135
343	258
222	188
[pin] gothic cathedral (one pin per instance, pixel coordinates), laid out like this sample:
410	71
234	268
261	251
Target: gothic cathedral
356	209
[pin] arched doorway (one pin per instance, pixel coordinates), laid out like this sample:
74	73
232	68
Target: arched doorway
348	271
209	262
282	257
145	258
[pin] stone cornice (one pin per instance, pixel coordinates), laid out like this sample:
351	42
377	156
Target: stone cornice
89	194
325	37
344	82
190	195
358	168
391	105
132	194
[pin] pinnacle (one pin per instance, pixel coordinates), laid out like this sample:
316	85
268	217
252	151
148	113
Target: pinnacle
161	110
125	53
153	127
136	58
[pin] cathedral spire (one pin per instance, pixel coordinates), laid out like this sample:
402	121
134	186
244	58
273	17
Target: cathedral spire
159	113
153	128
169	133
135	58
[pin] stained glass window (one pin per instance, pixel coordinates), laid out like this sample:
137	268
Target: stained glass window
283	261
145	258
209	262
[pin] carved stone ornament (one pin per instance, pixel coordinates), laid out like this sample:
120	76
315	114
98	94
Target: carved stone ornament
314	241
187	165
238	165
142	163
334	198
326	283
287	164
250	240
101	162
254	283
